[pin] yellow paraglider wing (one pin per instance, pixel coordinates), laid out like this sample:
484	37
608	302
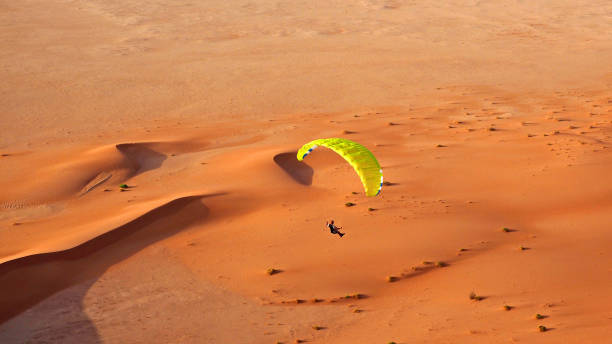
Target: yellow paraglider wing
362	160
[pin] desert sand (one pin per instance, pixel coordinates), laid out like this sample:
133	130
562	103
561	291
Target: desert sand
492	121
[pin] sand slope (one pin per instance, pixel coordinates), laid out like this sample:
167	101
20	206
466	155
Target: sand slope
483	116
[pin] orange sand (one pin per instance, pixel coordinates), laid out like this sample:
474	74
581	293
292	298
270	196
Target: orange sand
483	115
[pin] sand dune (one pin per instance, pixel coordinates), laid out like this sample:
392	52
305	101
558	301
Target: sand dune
39	276
66	174
492	123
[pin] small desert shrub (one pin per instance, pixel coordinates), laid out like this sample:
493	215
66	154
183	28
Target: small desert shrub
441	264
539	316
124	186
507	308
349	204
542	328
475	297
272	271
392	279
355	296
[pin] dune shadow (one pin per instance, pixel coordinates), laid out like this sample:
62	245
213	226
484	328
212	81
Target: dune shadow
297	170
59	319
142	156
27	281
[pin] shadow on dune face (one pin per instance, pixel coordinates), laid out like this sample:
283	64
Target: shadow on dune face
27	281
297	170
58	319
143	157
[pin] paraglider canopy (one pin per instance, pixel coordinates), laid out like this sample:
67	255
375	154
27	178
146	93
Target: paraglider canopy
362	160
